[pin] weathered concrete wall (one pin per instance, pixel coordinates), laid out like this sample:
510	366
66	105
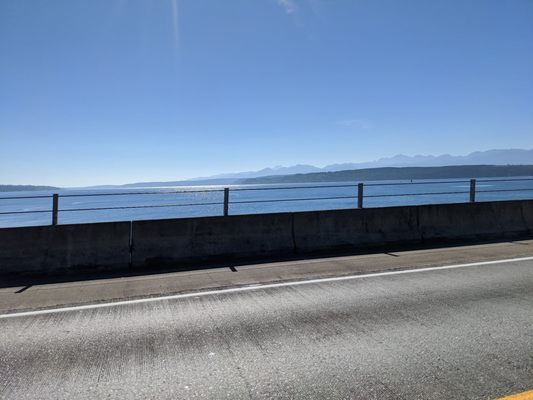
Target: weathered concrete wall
265	235
372	227
203	240
211	238
54	249
479	220
354	229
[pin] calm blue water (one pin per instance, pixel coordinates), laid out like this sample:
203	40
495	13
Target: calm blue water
214	194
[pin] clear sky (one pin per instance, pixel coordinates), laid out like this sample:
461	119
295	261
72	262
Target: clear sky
117	91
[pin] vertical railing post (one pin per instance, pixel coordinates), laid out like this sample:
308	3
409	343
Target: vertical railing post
360	195
55	208
472	190
226	202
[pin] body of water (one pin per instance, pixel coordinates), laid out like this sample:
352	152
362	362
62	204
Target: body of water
181	202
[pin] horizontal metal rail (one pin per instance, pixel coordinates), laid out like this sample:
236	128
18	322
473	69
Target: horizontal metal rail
25	212
358	195
141	193
505	190
299	199
294	187
145	206
505	180
414	194
26	197
415	183
348	185
442	182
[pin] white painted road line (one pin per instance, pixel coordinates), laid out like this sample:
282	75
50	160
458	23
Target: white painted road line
255	287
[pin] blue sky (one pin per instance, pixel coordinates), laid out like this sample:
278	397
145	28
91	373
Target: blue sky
117	91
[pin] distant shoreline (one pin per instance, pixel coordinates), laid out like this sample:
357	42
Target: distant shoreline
25	188
356	175
400	173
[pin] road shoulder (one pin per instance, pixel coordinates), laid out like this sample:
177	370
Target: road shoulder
43	296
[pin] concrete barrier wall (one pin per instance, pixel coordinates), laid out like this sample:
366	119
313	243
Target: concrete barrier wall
375	227
479	220
56	249
354	229
211	239
156	243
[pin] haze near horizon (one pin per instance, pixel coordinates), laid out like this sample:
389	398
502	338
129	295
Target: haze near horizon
117	91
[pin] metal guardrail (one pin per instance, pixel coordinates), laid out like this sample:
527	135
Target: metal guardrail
226	199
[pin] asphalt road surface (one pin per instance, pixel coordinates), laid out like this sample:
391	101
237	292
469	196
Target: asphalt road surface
452	333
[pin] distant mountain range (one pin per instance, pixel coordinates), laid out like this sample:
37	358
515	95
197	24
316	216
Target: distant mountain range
482	160
490	157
